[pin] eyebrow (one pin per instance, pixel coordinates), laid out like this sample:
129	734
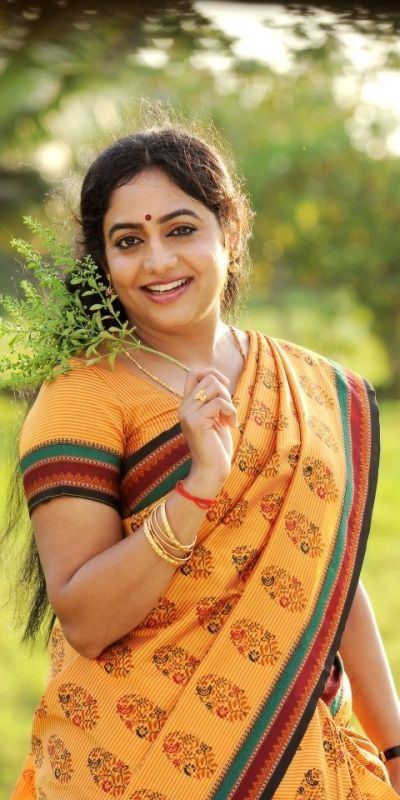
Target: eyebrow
180	212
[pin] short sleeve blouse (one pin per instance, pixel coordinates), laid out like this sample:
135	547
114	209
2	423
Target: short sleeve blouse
103	434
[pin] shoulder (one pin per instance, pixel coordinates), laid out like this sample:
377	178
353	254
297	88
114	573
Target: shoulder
314	368
298	353
84	403
83	383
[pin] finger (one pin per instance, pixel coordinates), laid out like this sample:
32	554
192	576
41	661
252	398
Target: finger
219	408
212	388
195	376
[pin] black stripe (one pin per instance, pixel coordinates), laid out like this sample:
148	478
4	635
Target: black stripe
149	448
73	491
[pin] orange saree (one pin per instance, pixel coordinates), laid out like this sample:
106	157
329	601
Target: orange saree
232	686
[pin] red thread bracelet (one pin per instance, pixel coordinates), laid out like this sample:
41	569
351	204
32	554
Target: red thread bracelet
201	502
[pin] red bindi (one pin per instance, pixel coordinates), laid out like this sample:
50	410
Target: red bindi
148	216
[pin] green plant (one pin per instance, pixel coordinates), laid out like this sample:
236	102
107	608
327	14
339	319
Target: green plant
50	325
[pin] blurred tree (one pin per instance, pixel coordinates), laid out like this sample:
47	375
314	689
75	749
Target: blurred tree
326	211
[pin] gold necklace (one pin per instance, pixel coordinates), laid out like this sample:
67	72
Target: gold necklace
166	385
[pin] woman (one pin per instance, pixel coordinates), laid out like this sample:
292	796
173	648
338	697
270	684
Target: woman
201	533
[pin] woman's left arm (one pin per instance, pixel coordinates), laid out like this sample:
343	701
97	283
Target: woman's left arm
375	701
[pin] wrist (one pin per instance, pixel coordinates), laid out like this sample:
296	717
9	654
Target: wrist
203	484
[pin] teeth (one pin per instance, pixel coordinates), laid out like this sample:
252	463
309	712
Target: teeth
165	287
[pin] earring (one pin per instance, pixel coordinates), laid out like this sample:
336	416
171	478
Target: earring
109	290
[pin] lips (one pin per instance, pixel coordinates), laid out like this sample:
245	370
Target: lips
149	286
166	295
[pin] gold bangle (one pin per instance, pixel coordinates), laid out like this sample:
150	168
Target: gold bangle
169	530
161	539
161	543
172	542
160	536
158	550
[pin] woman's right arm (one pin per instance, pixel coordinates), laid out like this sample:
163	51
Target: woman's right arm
99	584
102	585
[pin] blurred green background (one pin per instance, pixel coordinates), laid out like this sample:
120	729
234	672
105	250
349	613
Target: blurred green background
308	101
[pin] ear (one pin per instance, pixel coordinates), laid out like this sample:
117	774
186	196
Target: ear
234	240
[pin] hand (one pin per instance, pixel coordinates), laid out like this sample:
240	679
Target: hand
206	426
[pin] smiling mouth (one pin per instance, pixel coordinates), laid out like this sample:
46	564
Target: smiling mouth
166	288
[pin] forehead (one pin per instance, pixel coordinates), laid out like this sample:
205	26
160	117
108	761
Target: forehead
151	191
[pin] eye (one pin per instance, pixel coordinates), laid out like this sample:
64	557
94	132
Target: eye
126	242
182	230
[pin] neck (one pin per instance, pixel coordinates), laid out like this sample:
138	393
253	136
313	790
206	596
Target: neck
195	347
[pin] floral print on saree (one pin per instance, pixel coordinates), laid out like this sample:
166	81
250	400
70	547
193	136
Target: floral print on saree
219	692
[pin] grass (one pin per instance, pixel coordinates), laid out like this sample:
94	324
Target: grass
22	672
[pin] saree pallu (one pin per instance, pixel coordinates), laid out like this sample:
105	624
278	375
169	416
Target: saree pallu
232	688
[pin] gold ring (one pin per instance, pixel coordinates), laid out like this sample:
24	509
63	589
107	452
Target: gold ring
202	396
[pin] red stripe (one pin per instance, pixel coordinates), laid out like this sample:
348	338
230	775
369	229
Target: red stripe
70	471
261	764
141	479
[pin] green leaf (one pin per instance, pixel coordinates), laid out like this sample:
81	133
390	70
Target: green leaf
111	358
92	282
91	361
90	350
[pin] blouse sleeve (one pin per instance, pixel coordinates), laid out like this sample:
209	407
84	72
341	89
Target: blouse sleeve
72	441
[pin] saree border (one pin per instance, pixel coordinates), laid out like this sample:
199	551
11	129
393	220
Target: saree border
153	470
250	775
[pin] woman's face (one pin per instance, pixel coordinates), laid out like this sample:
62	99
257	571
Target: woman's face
155	234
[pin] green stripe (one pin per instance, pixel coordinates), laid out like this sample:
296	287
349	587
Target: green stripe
336	702
69	450
239	765
164	487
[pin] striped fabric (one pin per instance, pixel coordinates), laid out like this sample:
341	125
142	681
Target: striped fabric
155	468
232	688
87	435
71	468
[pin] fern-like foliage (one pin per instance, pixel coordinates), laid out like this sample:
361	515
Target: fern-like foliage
49	325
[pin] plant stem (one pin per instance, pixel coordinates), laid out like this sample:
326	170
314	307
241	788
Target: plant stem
140	346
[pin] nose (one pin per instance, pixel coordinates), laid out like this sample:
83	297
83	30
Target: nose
159	256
